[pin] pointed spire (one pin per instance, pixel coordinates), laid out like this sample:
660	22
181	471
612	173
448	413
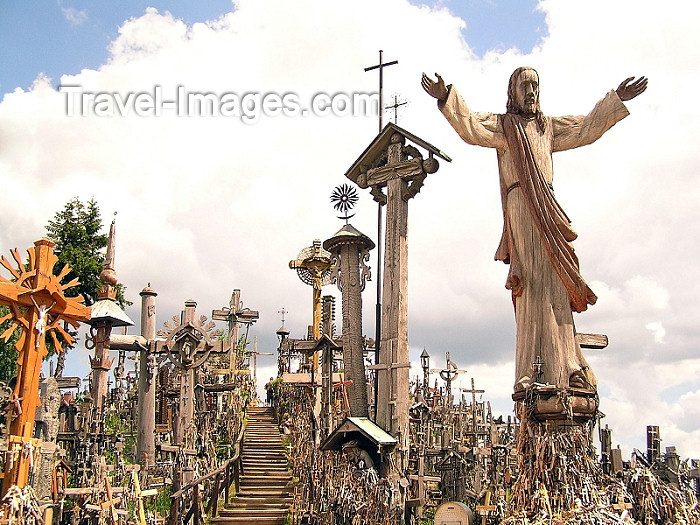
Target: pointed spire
108	276
106	308
109	257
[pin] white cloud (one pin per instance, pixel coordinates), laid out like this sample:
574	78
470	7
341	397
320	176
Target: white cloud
658	330
210	204
74	16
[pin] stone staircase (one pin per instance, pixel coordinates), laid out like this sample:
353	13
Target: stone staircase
264	495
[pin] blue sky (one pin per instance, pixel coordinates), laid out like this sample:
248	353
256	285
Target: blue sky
57	37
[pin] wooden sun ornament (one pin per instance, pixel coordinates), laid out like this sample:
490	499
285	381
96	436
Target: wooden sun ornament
38	304
37	299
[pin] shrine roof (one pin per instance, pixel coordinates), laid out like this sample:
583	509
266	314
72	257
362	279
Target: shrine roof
353	425
109	310
382	141
347	231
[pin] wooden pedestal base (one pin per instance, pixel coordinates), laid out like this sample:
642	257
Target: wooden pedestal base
549	403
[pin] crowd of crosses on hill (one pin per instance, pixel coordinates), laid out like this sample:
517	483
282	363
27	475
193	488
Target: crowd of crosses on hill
168	440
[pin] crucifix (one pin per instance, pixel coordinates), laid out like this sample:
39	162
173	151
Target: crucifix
313	267
449	374
235	315
38	306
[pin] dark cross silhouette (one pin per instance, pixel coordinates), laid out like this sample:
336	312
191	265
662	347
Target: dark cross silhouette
381	67
473	392
378	307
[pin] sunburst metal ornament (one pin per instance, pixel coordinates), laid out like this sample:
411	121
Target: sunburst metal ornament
344	198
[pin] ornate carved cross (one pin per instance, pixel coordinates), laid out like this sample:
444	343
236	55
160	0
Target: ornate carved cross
188	346
38	306
393	161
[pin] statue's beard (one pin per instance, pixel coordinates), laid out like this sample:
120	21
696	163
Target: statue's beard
529	108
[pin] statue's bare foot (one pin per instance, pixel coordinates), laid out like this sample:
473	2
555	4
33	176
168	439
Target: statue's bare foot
579	380
522	384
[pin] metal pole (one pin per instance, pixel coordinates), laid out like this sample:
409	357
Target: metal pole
378	308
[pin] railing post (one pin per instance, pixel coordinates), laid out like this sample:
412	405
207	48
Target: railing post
196	502
237	474
227	482
214	497
174	512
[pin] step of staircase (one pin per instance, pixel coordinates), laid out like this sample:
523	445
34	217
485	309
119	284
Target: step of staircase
264	494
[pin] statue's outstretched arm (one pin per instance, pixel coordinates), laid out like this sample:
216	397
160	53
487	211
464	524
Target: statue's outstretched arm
627	91
435	89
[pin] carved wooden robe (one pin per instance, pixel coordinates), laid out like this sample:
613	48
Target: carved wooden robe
536	242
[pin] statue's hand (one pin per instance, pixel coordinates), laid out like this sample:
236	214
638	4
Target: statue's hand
627	91
435	89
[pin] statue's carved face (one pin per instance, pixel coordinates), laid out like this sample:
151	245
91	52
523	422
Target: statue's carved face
527	92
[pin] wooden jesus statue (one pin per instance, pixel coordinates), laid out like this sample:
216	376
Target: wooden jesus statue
544	273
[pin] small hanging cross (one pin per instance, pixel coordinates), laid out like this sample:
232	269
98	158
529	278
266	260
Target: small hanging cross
537	369
395	106
282	312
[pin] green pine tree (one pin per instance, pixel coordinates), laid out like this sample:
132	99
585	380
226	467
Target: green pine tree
79	244
8	354
76	231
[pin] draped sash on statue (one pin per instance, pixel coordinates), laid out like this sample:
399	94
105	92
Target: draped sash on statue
549	218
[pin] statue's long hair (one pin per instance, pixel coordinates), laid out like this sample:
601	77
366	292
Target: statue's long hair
512	104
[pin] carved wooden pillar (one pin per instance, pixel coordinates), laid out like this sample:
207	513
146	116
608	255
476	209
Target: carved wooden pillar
389	163
145	440
188	346
393	398
351	248
106	314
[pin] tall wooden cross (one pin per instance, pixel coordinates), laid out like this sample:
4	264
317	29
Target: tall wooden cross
393	161
188	346
473	392
38	306
235	315
255	353
313	266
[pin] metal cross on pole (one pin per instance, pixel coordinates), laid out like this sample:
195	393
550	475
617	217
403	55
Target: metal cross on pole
381	67
378	312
